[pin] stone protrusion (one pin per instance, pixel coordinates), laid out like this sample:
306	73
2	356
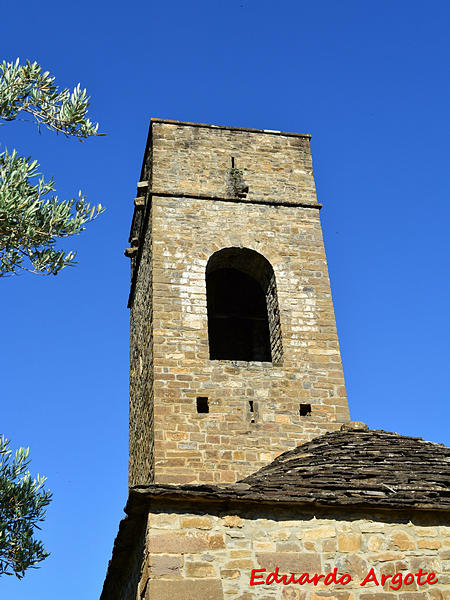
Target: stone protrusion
354	425
131	252
139	202
142	186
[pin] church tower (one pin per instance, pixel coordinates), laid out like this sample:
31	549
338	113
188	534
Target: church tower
234	351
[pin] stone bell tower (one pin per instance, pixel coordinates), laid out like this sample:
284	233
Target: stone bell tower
234	351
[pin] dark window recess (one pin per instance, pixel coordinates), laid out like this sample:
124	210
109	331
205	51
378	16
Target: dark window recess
305	410
251	408
243	314
202	404
238	324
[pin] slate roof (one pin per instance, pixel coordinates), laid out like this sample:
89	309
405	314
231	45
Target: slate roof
360	466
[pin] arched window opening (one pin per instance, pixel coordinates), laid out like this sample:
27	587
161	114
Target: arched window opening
238	325
243	316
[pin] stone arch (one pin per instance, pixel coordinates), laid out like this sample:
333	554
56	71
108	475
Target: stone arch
243	313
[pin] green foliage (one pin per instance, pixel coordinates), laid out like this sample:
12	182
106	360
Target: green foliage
32	218
30	222
22	504
25	88
235	183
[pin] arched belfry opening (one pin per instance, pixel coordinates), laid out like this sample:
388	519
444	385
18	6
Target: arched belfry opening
243	314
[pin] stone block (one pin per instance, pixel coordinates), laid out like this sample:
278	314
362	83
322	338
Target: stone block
197	522
290	562
181	543
429	544
233	521
318	533
187	589
161	564
354	564
240	553
264	546
290	547
426	531
240	563
280	535
200	569
403	541
163	521
329	545
350	542
375	543
229	573
386	556
426	563
310	546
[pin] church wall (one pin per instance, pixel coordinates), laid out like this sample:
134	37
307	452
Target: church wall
210	556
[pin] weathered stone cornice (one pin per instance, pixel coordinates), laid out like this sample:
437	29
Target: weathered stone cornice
270	201
230	128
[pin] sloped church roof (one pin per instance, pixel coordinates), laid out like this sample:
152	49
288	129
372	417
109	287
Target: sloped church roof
358	466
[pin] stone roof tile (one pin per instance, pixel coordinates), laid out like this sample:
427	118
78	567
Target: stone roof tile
359	466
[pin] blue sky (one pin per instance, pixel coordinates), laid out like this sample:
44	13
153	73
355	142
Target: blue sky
368	80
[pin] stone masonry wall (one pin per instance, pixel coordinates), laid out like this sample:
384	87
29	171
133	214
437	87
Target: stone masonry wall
141	442
170	366
196	160
211	556
224	445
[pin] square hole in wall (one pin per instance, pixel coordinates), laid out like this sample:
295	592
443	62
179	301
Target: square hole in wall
305	410
202	404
